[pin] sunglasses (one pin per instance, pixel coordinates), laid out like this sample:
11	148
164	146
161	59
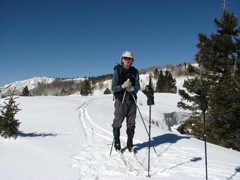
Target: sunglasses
127	58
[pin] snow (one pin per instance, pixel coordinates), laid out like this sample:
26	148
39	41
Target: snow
70	138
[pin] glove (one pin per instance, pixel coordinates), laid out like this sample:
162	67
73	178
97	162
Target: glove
130	89
126	84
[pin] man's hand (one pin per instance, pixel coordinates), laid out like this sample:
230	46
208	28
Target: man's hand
126	84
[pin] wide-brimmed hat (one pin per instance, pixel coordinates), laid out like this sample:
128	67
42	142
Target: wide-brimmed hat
127	54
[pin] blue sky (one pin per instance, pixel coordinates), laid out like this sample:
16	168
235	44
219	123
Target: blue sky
78	38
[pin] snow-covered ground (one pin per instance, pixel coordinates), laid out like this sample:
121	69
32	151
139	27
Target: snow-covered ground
69	138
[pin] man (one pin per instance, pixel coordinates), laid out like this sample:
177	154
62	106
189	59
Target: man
125	85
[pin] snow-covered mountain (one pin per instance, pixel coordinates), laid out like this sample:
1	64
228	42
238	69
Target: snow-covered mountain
19	85
34	82
99	88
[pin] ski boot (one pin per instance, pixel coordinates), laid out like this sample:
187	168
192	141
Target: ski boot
130	133
116	134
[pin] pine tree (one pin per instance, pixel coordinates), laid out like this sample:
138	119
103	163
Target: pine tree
107	91
166	83
150	83
171	82
8	124
160	82
219	76
25	91
86	88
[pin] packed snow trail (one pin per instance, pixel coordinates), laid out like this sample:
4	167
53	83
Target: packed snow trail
95	135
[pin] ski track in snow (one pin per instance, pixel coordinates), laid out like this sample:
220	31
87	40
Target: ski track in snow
96	139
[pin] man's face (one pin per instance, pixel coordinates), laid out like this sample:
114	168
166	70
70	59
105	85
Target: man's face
127	62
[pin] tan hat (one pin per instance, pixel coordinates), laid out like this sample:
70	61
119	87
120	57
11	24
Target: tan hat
127	54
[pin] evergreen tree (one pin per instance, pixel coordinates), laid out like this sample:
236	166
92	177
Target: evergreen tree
150	83
8	124
219	76
171	82
160	82
86	88
166	83
25	91
107	91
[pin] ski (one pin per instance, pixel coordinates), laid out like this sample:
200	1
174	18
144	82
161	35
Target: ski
133	154
128	166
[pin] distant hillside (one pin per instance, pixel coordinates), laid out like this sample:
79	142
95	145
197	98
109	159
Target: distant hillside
19	85
43	86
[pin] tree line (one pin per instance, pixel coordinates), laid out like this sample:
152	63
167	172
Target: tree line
218	77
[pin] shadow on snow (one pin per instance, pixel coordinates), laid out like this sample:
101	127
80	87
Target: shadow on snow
237	170
35	134
162	139
165	138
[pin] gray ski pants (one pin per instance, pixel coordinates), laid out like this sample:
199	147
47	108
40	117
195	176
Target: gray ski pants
126	109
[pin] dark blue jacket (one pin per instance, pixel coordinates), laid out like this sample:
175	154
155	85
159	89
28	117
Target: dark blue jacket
118	79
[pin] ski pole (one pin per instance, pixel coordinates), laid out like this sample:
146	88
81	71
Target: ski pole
203	105
144	122
118	120
149	141
140	114
205	143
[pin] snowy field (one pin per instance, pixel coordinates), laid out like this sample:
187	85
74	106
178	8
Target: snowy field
69	138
